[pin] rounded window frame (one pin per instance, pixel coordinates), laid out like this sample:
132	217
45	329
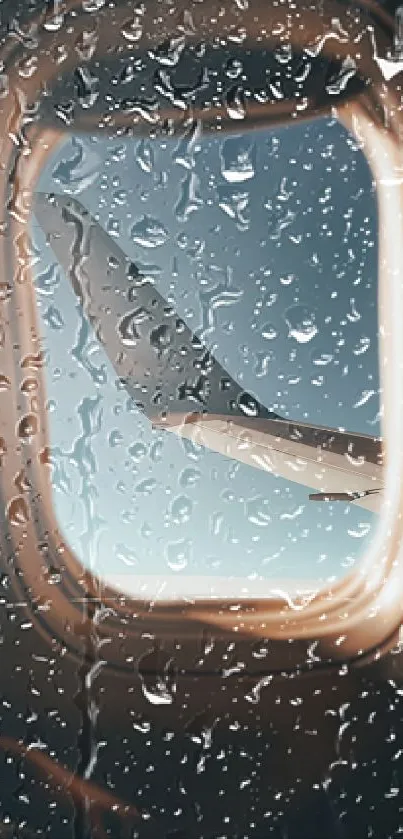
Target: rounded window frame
345	622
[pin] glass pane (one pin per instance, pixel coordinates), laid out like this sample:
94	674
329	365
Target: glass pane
264	246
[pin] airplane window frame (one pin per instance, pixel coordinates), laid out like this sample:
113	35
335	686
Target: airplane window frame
345	622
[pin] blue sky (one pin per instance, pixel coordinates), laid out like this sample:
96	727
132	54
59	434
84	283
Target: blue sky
266	245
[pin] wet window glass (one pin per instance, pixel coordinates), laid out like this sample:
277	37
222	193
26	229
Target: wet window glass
169	271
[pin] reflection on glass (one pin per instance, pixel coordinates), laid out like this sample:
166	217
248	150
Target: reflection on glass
264	246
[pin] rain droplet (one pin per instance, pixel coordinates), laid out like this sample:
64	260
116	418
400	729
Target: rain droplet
233	68
144	156
17	511
258	511
29	385
127	331
181	509
269	332
125	555
161	338
4	85
132	30
235	103
92	5
248	405
159	688
28	67
48	280
189	200
287	279
362	530
137	451
169	53
189	477
236	206
362	346
321	358
53	318
178	554
53	575
146	487
79	171
86	44
149	233
87	87
188	146
364	398
28	426
33	361
237	160
301	324
339	82
5	291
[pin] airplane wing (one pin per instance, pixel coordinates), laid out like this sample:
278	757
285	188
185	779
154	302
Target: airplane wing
340	466
180	385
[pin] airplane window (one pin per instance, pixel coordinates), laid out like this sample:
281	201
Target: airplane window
256	252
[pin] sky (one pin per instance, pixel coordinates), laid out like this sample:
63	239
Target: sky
266	245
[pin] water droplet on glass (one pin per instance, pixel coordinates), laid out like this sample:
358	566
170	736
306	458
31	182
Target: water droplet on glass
149	233
125	555
53	318
339	82
78	171
237	157
27	426
362	345
86	44
4	85
236	206
189	477
364	397
235	103
33	361
181	509
158	680
161	338
144	155
146	487
301	324
258	511
321	358
5	291
87	87
248	405
132	30
28	67
47	281
17	511
188	146
269	332
233	68
53	575
178	554
189	200
29	385
169	53
93	5
361	531
126	328
137	451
